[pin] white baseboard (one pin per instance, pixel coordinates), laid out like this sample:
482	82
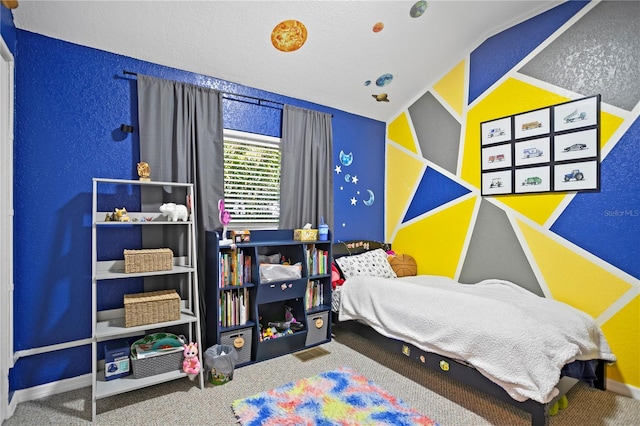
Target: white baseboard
623	389
48	389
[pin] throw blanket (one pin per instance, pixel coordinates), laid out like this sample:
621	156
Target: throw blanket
515	338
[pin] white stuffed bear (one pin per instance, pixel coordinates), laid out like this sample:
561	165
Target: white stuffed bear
175	211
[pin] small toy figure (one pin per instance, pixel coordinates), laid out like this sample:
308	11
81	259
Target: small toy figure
175	211
120	215
225	217
144	171
191	363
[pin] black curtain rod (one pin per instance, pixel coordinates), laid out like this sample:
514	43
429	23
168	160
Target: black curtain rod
231	96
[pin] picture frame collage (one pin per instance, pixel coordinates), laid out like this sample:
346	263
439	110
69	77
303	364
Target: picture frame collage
551	149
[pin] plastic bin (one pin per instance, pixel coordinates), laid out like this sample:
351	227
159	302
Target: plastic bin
220	361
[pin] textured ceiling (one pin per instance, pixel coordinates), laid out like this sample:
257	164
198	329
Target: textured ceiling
231	40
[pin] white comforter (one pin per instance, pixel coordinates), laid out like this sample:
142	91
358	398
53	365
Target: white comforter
515	338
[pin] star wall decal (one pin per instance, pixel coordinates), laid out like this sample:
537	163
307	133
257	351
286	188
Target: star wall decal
353	201
338	169
354	179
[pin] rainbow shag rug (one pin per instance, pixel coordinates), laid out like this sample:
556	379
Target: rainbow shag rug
340	397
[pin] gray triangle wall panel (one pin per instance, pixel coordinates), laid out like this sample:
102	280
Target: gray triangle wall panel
437	131
495	252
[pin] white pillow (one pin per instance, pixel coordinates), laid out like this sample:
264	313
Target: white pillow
372	263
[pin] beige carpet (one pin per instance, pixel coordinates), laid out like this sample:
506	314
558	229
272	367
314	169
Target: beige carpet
442	399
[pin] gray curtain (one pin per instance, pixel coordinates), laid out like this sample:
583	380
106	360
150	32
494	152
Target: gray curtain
306	182
181	137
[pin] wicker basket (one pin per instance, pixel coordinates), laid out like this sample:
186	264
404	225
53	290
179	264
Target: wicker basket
148	260
151	307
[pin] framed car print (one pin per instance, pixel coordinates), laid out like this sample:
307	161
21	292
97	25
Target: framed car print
496	183
532	123
533	151
576	176
496	157
576	145
533	179
496	131
576	114
551	149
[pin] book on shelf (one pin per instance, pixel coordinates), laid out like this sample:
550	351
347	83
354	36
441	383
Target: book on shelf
317	260
233	307
314	296
235	268
146	350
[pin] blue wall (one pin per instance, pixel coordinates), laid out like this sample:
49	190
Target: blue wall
70	103
8	29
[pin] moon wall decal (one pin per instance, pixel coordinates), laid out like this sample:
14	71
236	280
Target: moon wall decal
371	199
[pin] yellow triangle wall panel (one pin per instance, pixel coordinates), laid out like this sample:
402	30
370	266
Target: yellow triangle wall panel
451	87
436	242
572	278
608	125
406	171
537	207
399	131
623	334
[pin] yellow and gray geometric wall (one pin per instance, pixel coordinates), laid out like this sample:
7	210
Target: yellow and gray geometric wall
579	248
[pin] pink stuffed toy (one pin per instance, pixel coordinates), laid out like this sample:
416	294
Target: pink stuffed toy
336	280
191	363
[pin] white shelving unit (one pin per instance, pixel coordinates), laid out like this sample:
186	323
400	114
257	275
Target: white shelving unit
109	324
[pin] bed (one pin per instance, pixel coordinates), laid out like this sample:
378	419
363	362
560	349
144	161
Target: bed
462	330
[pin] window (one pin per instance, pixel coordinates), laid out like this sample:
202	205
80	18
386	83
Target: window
252	179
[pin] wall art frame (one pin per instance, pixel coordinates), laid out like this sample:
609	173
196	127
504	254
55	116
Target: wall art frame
550	149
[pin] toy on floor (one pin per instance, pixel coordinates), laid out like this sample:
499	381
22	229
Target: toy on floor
561	404
191	363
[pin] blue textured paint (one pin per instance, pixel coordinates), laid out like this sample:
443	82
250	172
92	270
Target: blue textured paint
434	190
607	224
8	29
358	221
500	53
70	103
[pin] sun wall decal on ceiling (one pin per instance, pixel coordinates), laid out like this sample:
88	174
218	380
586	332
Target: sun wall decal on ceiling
289	35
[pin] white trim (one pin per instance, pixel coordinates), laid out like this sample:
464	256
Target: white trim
6	225
51	388
623	389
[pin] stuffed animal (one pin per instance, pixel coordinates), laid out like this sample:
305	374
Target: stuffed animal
191	363
175	211
118	215
336	279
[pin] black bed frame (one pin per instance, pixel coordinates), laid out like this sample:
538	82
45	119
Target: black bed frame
450	367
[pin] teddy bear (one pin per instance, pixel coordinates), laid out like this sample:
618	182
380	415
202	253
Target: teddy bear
175	211
191	363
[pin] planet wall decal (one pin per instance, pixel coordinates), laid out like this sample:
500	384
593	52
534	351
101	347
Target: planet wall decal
346	159
367	83
418	9
289	35
384	80
377	27
382	97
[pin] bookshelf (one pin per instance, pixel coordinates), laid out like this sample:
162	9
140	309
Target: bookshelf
243	302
